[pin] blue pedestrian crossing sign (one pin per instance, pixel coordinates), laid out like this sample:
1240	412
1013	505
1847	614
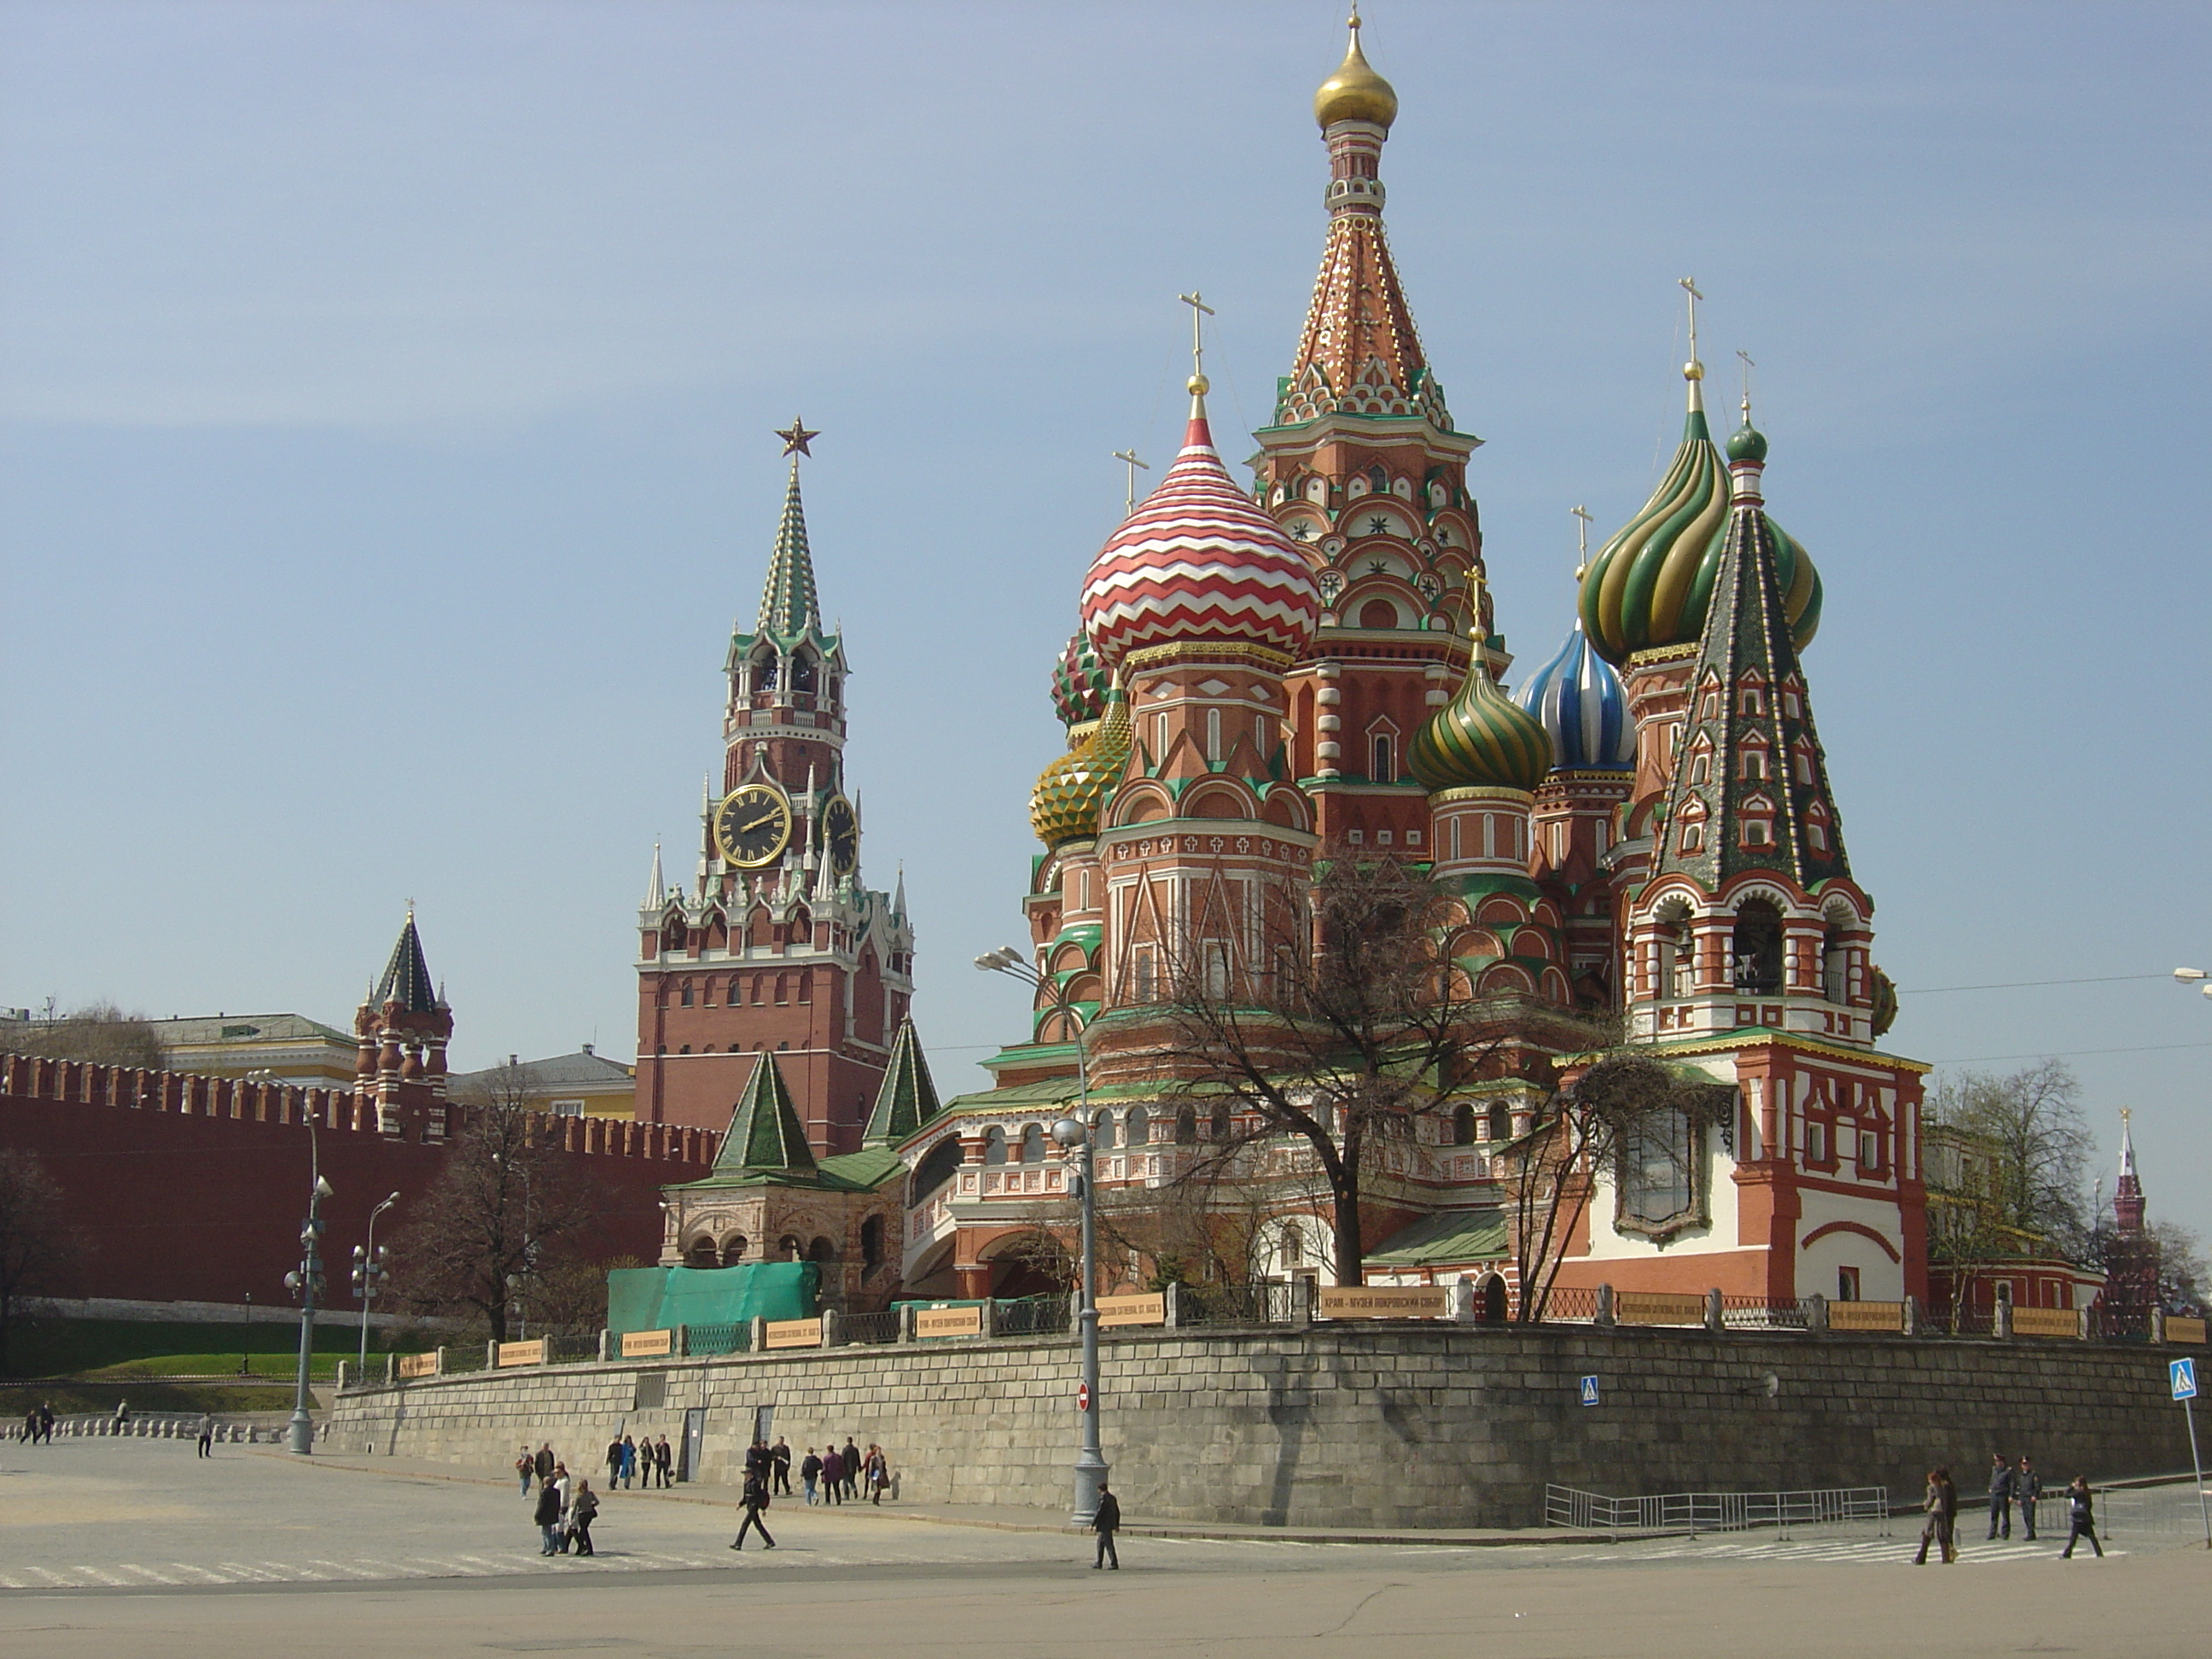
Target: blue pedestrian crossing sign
2183	1371
1590	1389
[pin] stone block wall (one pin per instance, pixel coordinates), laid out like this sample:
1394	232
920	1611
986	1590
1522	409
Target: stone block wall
1372	1427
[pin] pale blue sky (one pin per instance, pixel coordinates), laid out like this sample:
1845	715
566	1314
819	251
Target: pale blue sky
385	391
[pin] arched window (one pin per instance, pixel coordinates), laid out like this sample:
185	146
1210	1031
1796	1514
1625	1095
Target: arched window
1756	947
1033	1144
802	671
1658	1169
1290	1248
1675	966
1463	1125
1102	1131
1186	1128
733	1249
937	1167
789	1249
821	1250
1140	1126
702	1253
1835	967
686	993
764	671
995	1144
871	1242
1500	1127
1385	761
1218	1128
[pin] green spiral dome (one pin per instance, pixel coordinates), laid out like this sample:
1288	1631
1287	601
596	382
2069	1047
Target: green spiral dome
1649	584
1065	804
1481	739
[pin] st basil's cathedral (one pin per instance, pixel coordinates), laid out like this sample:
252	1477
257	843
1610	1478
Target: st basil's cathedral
1642	829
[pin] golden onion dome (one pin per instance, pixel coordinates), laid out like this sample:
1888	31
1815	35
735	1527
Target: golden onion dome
1064	805
1355	92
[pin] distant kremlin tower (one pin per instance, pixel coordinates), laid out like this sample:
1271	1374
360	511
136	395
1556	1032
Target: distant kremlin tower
777	947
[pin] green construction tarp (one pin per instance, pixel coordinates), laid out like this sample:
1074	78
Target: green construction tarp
660	1298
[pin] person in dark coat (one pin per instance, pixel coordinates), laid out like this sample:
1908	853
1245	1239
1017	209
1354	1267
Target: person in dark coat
545	1462
852	1460
582	1508
2000	1495
2026	1487
782	1452
1106	1521
663	1459
2080	1518
756	1500
810	1475
833	1476
548	1517
1940	1502
614	1463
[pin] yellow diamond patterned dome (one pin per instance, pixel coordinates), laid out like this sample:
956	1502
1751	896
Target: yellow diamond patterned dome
1065	804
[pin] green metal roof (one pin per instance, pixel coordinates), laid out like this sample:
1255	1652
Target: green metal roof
908	1098
1451	1236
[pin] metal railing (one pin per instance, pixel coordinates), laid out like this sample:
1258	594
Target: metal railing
1568	1304
1694	1512
571	1350
734	1337
1237	1304
869	1328
463	1357
1037	1315
1760	1313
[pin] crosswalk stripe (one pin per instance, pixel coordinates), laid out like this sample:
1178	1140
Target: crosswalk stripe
158	1577
212	1577
103	1577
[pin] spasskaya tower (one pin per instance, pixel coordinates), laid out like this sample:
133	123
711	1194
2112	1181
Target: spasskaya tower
778	946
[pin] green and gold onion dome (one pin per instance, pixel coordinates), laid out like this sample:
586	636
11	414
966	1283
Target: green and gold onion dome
1064	805
1649	584
1481	739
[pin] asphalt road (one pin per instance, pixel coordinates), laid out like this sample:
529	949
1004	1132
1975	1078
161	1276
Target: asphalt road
137	1547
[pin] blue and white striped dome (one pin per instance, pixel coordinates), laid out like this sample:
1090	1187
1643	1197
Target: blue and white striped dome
1579	698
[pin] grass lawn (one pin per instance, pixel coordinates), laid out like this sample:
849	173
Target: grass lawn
68	1399
127	1348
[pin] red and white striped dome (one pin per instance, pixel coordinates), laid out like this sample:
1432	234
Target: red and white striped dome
1199	561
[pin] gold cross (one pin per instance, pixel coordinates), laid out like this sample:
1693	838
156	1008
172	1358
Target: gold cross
1129	505
1689	285
1747	366
1581	540
1199	311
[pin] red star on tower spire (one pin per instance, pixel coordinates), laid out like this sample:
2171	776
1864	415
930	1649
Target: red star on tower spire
796	437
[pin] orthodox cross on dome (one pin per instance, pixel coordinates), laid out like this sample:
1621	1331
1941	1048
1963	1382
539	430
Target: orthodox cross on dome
1581	541
1199	311
796	437
1129	498
1748	365
1693	371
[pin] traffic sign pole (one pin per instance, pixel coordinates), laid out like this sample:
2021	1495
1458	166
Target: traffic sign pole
2182	1373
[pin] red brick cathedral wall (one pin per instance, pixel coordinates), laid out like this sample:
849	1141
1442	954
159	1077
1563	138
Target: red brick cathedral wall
189	1188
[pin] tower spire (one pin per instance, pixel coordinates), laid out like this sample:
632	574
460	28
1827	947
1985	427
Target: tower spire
1693	371
788	606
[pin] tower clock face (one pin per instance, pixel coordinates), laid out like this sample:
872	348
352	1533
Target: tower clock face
752	826
841	834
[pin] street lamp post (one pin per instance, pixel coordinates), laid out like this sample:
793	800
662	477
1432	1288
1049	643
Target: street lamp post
307	1279
1073	1134
368	1270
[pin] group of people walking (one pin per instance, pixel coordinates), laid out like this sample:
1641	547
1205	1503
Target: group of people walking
39	1424
627	1459
837	1475
2009	1484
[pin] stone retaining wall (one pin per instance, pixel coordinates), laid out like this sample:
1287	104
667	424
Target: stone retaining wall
1374	1427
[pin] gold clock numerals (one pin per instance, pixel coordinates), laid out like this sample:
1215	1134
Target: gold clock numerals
841	834
752	826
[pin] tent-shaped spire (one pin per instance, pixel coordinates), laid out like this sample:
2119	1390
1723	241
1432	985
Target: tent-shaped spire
765	1136
788	608
407	979
908	1098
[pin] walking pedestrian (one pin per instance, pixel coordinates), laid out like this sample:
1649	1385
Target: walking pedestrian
207	1433
582	1508
756	1502
544	1462
852	1457
782	1452
664	1459
2026	1487
1106	1522
2081	1519
526	1467
1940	1501
614	1463
877	1474
759	1460
562	1488
629	1463
2000	1494
833	1476
46	1421
810	1472
548	1517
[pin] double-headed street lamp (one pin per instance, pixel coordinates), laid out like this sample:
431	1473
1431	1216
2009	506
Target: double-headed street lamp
307	1281
1073	1134
2193	976
368	1269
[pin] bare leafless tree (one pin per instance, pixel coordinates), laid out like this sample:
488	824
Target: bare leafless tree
99	1033
1551	1173
39	1250
1354	1025
506	1211
2033	1121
